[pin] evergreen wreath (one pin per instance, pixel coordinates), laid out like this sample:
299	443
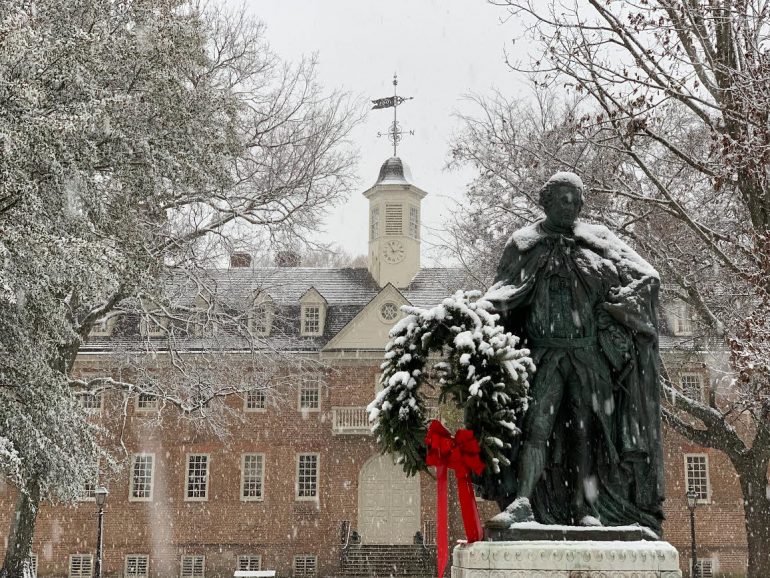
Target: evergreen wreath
481	371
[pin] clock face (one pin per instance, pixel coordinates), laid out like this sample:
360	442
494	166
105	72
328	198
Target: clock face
393	252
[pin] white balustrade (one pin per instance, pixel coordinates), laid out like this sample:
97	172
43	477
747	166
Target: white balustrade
350	420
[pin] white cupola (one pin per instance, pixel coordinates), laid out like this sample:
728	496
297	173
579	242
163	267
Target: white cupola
394	225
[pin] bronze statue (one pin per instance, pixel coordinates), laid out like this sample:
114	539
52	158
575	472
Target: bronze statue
586	305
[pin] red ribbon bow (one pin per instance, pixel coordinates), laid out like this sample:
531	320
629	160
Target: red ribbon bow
461	454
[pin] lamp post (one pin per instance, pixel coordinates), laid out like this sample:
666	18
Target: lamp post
101	498
692	501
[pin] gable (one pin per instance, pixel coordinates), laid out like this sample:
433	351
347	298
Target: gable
312	296
368	330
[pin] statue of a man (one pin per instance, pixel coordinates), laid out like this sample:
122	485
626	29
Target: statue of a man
585	304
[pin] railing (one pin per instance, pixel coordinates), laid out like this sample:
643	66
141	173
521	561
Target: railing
355	420
429	533
350	420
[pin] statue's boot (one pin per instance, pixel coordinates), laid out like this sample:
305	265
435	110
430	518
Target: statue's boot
520	510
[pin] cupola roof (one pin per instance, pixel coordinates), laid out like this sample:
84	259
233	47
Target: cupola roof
393	171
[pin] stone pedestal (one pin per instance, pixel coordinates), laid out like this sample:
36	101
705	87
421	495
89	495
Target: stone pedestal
566	559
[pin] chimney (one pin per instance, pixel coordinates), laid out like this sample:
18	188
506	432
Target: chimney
240	260
287	258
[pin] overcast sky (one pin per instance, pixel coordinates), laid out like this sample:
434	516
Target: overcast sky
442	50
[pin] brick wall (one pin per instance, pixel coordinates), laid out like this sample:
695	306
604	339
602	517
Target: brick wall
280	527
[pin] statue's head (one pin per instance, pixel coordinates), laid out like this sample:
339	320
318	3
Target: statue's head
562	198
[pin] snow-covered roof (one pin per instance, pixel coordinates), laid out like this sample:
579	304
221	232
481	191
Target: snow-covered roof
346	291
393	172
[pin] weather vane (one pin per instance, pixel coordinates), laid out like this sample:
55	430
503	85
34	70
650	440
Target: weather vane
394	132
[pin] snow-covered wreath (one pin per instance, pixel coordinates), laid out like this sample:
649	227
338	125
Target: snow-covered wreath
481	371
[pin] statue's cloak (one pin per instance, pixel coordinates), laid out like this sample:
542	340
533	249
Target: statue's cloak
630	469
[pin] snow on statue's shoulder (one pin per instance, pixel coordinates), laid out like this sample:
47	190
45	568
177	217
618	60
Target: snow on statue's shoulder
601	238
526	237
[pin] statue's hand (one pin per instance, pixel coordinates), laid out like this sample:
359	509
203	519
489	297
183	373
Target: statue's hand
621	313
603	318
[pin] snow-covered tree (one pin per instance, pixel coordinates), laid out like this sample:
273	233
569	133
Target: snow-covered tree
662	107
474	363
139	140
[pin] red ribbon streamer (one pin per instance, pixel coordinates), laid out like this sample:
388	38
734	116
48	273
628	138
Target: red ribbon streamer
461	454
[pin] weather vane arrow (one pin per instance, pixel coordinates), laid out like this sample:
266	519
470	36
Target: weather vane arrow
394	132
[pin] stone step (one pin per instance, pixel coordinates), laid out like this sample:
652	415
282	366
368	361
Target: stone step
382	560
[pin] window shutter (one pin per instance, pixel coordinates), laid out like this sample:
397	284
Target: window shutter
394	215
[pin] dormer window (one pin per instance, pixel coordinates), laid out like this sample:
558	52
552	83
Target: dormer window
201	322
261	316
311	319
682	319
153	322
312	313
153	325
103	327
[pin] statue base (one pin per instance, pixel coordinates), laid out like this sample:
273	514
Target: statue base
567	558
536	531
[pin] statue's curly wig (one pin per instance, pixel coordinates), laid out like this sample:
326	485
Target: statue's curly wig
559	179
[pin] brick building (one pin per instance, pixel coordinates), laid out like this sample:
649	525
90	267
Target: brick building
300	478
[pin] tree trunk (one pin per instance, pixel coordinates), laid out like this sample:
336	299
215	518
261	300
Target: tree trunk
756	506
21	533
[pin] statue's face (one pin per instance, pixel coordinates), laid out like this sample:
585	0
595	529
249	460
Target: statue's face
564	206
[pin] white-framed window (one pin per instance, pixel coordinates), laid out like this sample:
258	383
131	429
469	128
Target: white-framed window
153	325
414	222
89	487
249	563
682	318
692	385
696	471
304	565
255	400
137	566
389	312
103	327
142	469
310	395
252	477
374	223
197	482
33	565
704	568
394	218
311	320
90	402
312	312
202	320
307	477
81	566
89	492
146	402
261	316
193	566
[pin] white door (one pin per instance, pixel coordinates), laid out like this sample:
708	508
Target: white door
388	503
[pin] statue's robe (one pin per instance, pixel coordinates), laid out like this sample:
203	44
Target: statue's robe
619	372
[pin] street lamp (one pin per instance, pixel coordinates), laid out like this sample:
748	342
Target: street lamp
101	498
692	501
